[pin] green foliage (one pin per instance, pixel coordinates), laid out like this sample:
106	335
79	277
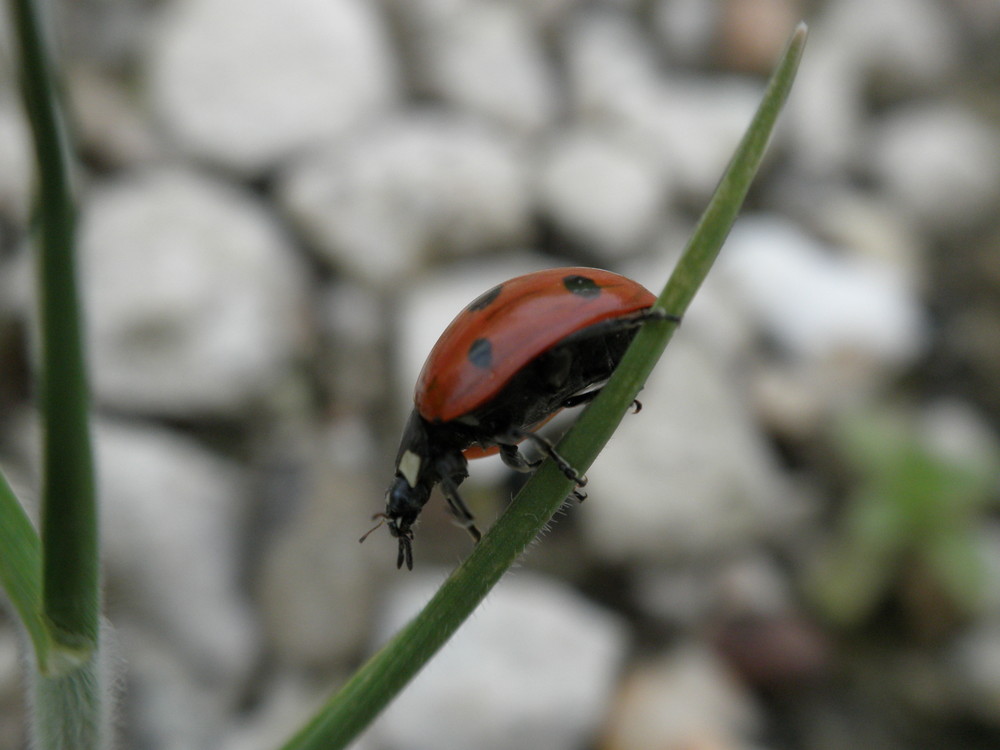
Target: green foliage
913	515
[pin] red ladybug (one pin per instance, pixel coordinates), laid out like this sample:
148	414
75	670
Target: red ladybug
510	361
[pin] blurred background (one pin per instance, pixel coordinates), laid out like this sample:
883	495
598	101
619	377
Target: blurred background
796	544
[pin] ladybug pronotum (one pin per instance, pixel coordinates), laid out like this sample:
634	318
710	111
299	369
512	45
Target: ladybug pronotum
509	362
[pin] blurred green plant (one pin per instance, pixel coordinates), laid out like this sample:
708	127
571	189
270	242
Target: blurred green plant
911	522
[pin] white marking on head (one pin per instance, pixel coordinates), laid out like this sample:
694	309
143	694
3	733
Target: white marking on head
409	467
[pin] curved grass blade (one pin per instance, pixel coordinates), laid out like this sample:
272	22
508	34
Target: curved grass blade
349	711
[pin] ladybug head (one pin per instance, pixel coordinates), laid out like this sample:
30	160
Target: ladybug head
418	468
411	488
403	503
402	506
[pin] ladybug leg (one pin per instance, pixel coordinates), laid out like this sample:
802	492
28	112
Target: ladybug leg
657	313
546	447
511	456
459	509
586	398
580	398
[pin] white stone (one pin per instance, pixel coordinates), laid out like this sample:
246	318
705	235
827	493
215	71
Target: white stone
911	43
866	226
697	124
315	581
548	13
820	303
171	518
249	82
353	326
940	163
534	667
687	28
481	56
913	40
168	698
675	596
684	699
193	294
600	193
960	435
727	588
383	203
282	707
689	476
716	320
612	75
689	127
108	125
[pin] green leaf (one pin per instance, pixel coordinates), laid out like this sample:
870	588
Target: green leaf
21	568
915	504
852	576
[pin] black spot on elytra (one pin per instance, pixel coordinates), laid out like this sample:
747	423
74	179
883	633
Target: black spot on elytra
485	299
481	353
581	286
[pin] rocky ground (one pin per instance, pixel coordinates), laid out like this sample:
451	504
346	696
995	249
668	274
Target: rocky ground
796	543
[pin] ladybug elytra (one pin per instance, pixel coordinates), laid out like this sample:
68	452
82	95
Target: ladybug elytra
509	362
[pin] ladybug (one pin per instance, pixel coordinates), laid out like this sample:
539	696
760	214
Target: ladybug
511	360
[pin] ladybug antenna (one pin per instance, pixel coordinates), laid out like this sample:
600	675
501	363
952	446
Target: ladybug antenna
381	520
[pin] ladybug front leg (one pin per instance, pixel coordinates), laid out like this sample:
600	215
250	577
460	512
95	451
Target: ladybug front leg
459	509
587	397
452	471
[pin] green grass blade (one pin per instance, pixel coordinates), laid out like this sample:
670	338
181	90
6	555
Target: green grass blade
595	427
21	568
70	572
387	672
